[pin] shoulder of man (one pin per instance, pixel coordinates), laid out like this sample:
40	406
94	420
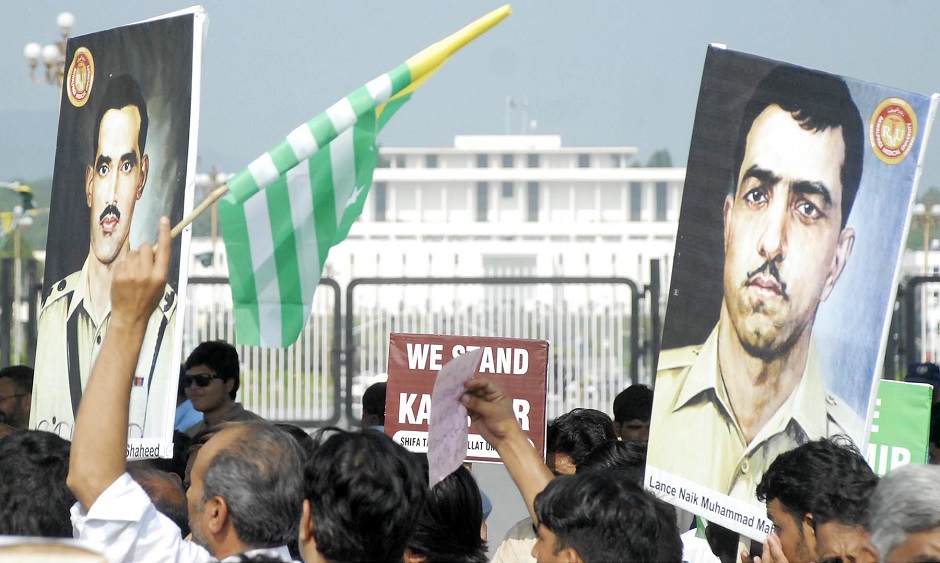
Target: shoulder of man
62	288
678	358
842	418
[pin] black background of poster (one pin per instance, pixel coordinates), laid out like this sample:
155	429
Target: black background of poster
695	291
159	56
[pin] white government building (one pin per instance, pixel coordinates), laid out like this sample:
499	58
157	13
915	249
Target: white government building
492	205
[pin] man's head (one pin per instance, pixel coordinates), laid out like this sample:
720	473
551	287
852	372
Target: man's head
117	174
165	490
817	496
573	435
34	499
596	516
373	405
212	375
16	392
797	168
633	408
362	495
905	516
245	486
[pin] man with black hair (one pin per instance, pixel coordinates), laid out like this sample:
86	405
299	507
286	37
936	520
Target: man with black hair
633	408
361	497
754	389
245	487
16	392
34	500
571	437
817	497
596	516
211	381
569	440
76	314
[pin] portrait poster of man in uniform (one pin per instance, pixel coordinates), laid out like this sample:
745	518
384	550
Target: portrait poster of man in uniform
124	157
794	214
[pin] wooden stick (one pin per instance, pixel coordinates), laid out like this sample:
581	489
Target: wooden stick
214	196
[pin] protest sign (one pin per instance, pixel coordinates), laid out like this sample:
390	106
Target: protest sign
414	361
125	156
900	429
796	202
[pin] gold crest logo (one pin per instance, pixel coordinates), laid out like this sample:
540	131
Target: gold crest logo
892	130
80	77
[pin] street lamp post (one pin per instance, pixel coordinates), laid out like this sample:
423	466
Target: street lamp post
52	55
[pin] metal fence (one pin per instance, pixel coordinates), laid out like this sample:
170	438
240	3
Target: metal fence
598	329
593	326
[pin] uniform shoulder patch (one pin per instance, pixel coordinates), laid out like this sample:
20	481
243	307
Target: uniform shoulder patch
676	358
843	416
62	288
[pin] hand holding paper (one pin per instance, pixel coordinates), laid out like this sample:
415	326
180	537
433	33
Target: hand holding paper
447	429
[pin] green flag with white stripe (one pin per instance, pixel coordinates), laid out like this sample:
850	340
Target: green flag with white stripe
291	205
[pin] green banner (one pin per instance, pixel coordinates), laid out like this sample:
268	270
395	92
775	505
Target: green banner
901	426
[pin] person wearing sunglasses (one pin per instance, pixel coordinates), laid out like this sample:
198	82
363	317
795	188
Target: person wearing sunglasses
211	381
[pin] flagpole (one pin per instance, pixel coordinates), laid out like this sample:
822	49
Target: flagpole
214	196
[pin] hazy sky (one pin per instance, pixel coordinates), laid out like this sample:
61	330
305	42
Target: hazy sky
599	72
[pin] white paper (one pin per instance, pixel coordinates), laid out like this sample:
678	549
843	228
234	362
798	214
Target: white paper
447	428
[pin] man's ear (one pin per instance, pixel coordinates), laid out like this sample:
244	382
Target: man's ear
868	554
229	385
217	513
841	256
729	205
306	523
809	529
89	177
569	555
144	169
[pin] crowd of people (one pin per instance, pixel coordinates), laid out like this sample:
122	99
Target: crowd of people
240	488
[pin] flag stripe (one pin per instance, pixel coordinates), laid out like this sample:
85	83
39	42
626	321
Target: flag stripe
257	217
300	192
343	165
242	281
380	89
263	171
324	214
302	142
285	257
342	115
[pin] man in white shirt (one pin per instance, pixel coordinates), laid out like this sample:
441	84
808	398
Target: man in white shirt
246	493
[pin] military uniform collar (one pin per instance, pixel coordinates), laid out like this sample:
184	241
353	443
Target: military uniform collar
82	292
806	405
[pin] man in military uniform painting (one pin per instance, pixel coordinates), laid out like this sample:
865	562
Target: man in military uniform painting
76	314
725	409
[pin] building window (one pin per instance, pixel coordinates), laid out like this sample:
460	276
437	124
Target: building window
615	161
532	161
661	201
399	161
508	190
380	199
508	160
532	201
430	161
483	201
636	201
584	161
483	161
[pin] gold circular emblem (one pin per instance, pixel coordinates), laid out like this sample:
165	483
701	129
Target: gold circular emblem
892	130
80	77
